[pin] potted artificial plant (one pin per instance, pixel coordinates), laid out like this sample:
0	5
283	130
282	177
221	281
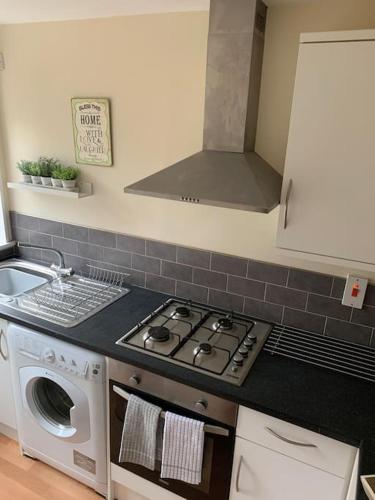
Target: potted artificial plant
24	166
56	176
69	175
35	173
46	167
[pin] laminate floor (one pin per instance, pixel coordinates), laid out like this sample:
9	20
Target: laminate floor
22	478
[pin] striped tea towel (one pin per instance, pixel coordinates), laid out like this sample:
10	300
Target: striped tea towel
138	442
182	449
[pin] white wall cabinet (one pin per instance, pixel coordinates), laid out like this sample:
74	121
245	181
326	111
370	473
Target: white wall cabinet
275	460
329	179
7	409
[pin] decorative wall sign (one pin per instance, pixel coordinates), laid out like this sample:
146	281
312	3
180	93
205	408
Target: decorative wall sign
92	131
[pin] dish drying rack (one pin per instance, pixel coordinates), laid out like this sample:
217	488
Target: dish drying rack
68	301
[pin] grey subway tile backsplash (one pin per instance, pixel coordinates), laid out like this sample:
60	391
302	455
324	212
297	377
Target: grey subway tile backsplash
90	251
65	245
50	227
263	310
211	279
160	284
349	332
147	264
338	288
365	316
102	238
246	287
286	296
40	239
161	250
117	257
274	293
267	273
77	233
327	306
192	257
226	300
190	291
176	271
131	244
228	264
304	320
310	282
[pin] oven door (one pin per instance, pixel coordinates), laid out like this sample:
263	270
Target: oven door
217	457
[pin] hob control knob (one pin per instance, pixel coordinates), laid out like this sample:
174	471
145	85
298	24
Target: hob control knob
251	337
201	405
134	380
248	344
49	356
243	351
238	360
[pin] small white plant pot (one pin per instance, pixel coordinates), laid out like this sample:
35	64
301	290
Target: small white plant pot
69	184
46	181
26	178
35	179
57	183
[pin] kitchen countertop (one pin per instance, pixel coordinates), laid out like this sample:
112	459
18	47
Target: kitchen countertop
333	404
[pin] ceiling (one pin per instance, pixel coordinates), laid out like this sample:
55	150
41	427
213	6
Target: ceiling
26	11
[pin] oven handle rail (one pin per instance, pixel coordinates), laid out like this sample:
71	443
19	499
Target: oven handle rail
210	429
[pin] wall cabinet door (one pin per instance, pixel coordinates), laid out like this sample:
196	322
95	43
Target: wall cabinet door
263	474
7	410
329	180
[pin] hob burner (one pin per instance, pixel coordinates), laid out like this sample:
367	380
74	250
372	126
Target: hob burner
158	333
182	312
203	348
224	324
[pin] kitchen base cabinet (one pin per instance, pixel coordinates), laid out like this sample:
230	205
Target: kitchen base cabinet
263	474
7	409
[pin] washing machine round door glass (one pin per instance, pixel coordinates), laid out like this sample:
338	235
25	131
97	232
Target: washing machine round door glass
53	403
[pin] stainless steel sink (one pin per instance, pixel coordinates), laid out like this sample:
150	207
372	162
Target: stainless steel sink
18	277
64	300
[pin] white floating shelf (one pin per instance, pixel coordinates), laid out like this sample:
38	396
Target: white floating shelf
84	189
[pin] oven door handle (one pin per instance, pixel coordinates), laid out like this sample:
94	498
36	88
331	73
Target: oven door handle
210	429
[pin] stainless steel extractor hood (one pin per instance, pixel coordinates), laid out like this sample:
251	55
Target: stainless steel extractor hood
227	173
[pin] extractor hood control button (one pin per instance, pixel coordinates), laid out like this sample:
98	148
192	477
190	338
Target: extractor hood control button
251	338
49	356
238	360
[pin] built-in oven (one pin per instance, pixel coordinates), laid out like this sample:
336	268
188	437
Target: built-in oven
219	416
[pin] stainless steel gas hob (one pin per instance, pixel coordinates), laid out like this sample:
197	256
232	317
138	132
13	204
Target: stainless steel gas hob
204	339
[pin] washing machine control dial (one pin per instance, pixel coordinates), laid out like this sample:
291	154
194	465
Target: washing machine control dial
49	356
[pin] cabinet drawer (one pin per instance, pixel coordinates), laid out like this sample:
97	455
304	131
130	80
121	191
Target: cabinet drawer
324	453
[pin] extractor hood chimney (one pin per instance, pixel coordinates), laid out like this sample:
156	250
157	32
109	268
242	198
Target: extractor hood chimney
227	173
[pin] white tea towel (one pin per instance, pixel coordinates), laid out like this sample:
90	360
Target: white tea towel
138	442
182	449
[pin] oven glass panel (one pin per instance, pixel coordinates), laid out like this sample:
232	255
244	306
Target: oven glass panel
217	458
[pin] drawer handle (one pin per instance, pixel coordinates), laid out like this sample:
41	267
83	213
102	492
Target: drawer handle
3	354
238	474
289	441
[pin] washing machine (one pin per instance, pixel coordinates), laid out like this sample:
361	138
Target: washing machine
60	403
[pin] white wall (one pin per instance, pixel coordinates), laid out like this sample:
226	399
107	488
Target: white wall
152	67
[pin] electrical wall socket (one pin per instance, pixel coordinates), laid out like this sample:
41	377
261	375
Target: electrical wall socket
2	61
354	293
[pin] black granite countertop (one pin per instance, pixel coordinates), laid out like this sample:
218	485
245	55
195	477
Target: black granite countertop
335	405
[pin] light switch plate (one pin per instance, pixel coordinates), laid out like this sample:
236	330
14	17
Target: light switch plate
2	61
358	284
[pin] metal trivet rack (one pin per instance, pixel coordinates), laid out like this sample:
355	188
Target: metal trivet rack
70	300
327	352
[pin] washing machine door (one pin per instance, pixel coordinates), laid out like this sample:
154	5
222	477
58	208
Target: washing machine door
56	404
